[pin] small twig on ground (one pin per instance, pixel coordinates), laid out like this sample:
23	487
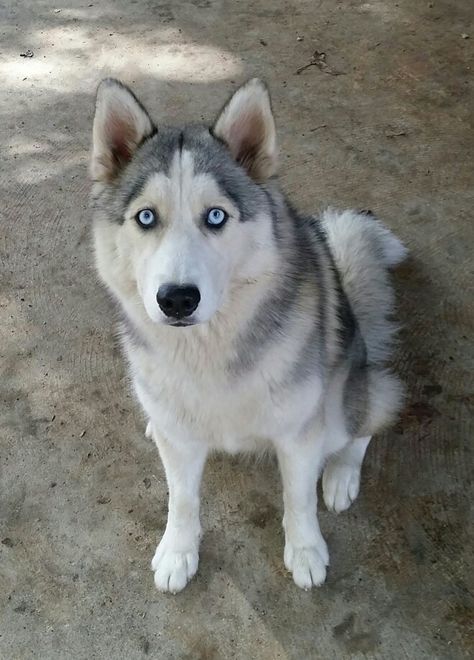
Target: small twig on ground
395	134
319	59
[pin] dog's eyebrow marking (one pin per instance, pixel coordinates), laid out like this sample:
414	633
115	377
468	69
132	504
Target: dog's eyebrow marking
231	194
211	157
133	190
156	155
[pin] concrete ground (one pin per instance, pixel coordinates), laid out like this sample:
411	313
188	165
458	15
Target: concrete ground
83	495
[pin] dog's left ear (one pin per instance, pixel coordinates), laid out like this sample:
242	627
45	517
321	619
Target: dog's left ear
121	124
247	127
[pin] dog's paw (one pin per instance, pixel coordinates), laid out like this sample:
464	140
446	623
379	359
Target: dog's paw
308	565
149	431
173	569
341	483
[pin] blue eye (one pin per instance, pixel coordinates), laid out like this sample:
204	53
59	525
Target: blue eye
216	217
146	218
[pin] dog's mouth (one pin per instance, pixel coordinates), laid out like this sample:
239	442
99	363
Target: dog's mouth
180	324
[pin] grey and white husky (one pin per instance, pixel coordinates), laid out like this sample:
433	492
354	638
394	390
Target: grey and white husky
246	325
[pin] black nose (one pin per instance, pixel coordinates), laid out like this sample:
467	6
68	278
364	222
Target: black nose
177	300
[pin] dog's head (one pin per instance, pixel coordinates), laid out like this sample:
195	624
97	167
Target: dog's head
182	217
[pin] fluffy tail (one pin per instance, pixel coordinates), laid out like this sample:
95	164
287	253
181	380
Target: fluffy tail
386	394
363	251
392	250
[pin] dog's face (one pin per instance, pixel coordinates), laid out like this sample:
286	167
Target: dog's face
181	218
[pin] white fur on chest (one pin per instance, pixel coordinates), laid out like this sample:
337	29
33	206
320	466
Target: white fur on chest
199	400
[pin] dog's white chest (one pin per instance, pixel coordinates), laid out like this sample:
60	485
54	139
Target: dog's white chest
231	414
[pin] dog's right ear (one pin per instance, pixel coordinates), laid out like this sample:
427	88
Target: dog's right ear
121	124
247	127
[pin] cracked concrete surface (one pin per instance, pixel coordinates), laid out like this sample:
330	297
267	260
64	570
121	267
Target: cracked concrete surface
83	495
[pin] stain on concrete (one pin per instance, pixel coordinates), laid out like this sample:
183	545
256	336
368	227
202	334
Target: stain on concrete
265	514
353	639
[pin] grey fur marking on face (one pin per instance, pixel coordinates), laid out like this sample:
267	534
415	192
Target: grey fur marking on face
210	156
275	313
267	325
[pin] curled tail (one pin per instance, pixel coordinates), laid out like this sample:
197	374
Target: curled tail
392	250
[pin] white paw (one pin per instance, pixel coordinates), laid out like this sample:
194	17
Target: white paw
149	431
173	569
341	484
308	565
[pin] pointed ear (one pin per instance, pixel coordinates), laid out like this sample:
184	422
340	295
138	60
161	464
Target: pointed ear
247	126
121	123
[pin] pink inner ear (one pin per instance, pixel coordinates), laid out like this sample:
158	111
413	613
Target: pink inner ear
246	140
246	134
121	137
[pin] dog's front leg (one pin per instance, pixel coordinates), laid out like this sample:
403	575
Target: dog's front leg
306	554
177	555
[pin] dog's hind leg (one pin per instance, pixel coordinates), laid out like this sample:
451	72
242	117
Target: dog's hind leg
341	476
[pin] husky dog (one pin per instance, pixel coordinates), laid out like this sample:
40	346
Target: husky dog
246	325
